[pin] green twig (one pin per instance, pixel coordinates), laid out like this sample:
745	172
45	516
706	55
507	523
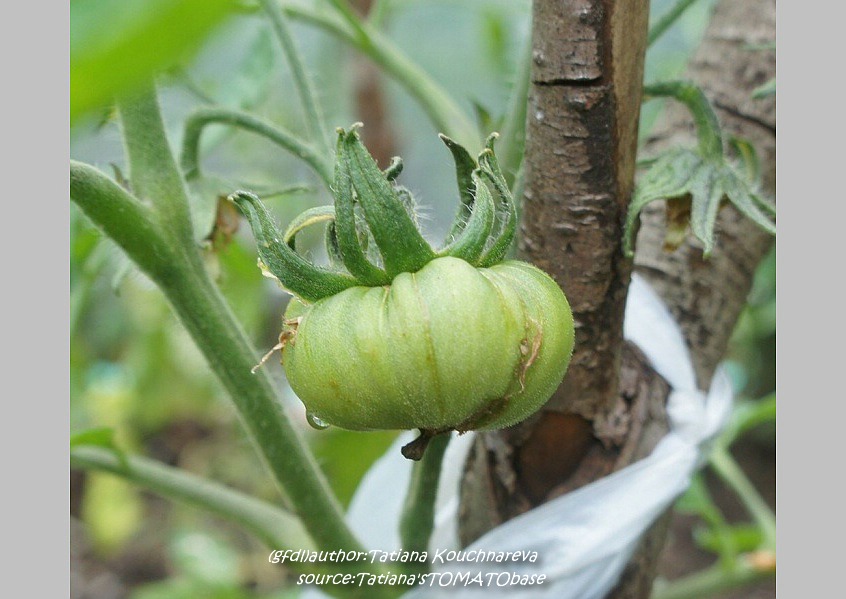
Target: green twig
441	109
308	97
277	528
727	469
666	20
418	515
197	121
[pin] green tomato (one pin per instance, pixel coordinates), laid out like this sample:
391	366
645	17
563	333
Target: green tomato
449	347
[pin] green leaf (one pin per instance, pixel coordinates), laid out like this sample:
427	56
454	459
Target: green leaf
685	175
100	437
668	177
118	44
706	194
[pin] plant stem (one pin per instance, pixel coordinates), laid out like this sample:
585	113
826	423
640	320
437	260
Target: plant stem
727	469
514	127
277	528
713	580
166	252
418	515
133	225
153	173
666	20
314	119
441	109
199	305
199	119
708	130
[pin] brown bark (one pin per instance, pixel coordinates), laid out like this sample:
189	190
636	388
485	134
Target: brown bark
578	163
581	141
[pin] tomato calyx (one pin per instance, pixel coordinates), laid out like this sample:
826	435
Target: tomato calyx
372	233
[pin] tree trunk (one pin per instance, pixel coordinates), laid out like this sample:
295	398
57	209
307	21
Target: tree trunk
579	166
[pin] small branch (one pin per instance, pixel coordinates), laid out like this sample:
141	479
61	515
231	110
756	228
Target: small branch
418	516
197	121
277	528
666	20
153	173
441	109
121	216
314	118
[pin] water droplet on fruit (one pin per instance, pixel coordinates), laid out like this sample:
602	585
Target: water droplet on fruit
316	422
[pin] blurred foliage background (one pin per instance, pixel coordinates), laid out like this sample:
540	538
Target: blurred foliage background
136	372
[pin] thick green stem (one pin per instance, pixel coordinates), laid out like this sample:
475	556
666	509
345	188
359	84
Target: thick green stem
199	119
197	302
277	528
153	173
418	516
716	579
123	218
727	469
314	119
446	115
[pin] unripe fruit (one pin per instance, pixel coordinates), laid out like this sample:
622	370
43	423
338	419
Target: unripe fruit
450	347
397	335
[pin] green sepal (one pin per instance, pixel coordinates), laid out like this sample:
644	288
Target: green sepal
473	239
507	215
296	274
400	242
394	169
464	167
349	229
684	174
312	216
333	250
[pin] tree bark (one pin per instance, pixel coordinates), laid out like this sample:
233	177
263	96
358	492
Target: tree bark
581	130
581	142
